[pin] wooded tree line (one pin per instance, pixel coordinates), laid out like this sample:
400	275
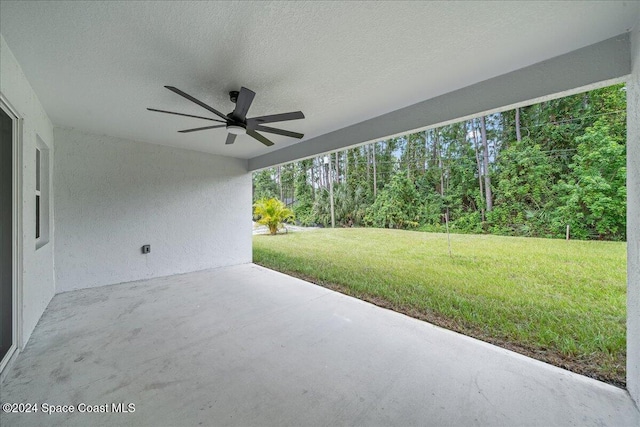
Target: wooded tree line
532	171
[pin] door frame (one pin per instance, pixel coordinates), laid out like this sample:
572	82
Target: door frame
16	231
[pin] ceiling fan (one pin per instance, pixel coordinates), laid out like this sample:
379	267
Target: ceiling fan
236	121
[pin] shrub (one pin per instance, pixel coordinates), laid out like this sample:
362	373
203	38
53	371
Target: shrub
272	213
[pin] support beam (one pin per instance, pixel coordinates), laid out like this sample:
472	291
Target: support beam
605	61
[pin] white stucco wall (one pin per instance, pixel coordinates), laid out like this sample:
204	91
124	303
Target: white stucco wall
37	265
115	195
633	222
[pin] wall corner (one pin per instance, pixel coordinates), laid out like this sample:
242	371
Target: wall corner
633	220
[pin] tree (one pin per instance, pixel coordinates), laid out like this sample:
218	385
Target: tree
303	194
518	132
350	205
523	192
331	199
528	171
397	206
272	213
485	156
286	178
264	185
479	167
594	197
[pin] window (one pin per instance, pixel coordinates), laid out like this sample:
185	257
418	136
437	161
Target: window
42	193
38	194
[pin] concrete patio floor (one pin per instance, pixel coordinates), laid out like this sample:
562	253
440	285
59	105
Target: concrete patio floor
246	346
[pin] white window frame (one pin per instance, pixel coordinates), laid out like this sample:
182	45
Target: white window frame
42	193
38	196
16	234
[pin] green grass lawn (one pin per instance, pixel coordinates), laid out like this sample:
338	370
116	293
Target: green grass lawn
558	301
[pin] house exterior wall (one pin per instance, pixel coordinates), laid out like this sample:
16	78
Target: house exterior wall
37	264
633	222
114	195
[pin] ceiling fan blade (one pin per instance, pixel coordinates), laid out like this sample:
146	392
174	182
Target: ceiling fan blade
204	128
186	115
200	103
231	138
254	121
245	98
259	137
279	131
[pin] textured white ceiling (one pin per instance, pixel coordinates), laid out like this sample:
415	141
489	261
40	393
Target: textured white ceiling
96	66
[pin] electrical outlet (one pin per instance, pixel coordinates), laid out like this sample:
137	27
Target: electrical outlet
146	249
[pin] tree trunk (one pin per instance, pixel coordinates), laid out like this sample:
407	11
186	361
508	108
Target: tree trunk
434	156
485	155
346	166
475	147
375	178
280	183
518	134
440	166
326	175
366	153
313	178
437	161
333	217
425	162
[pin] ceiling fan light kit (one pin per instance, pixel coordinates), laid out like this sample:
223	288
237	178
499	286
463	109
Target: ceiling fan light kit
236	122
236	130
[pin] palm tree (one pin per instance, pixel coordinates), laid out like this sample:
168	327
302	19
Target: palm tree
272	213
